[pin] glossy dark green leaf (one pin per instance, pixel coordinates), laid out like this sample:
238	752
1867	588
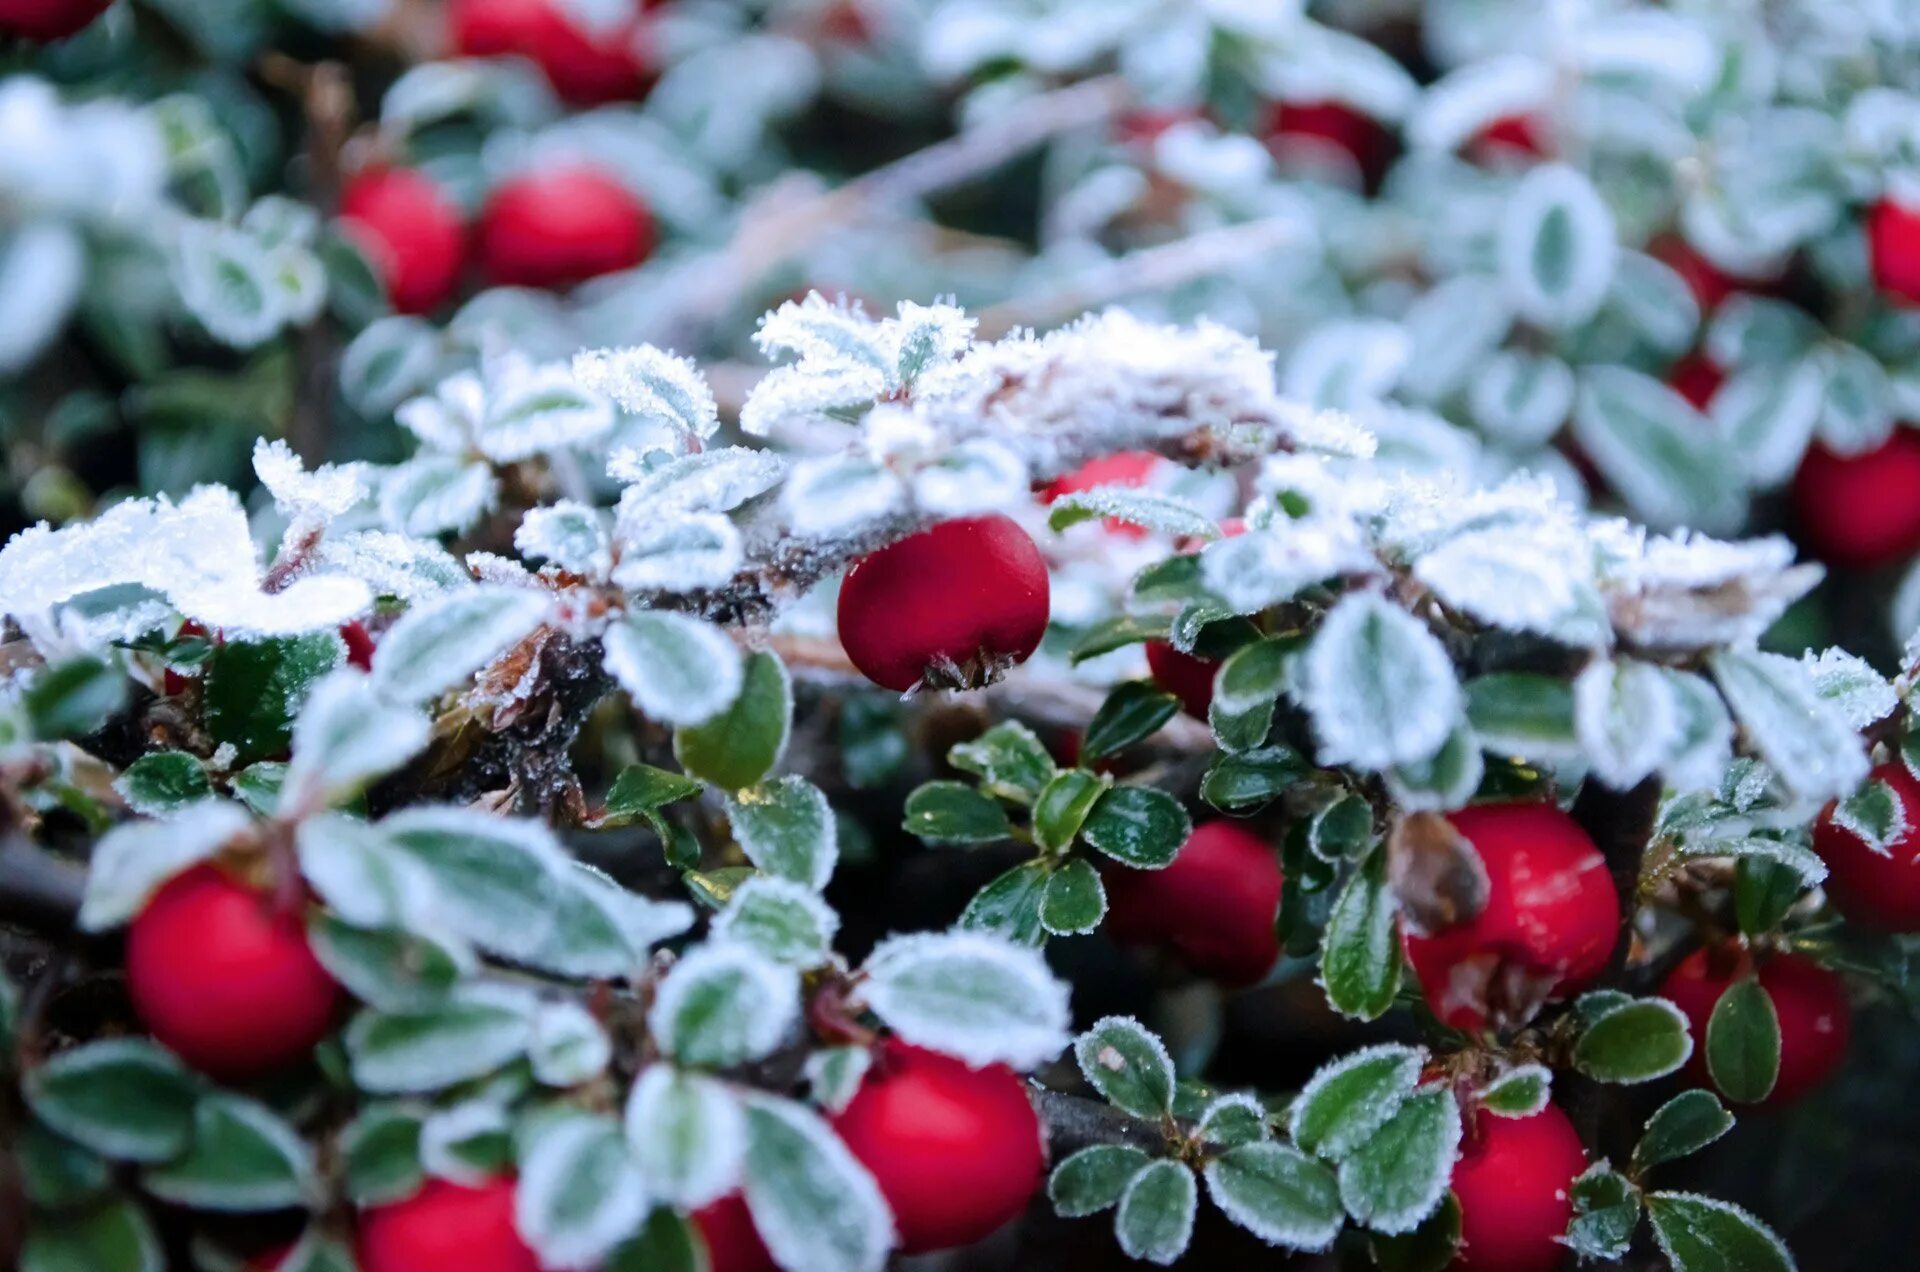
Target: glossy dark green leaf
1133	712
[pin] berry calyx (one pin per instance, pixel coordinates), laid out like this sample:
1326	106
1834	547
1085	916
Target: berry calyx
1335	124
1893	247
446	1226
1214	906
587	67
1859	511
1514	1183
957	1151
48	19
1548	926
1125	468
1187	677
951	607
225	978
733	1243
1879	890
558	228
1810	1001
412	233
1697	379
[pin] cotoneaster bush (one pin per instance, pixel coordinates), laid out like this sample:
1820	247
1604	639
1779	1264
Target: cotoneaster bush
658	636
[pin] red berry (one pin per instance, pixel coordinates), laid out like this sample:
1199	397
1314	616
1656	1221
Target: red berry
1859	511
411	232
1697	379
586	67
48	19
1893	243
1337	124
1514	1183
1548	926
359	645
561	227
1879	891
446	1227
225	979
1185	676
950	607
956	1151
1214	906
1126	468
1811	1002
1522	136
733	1243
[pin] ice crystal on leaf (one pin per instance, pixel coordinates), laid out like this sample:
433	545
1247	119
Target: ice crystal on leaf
313	498
651	384
509	410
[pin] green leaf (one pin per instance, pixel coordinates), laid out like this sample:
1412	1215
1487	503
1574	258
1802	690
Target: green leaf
1519	1092
1133	712
1743	1042
1350	1098
1651	446
873	740
1155	1220
1683	1125
1279	1194
1232	1120
1235	783
1009	906
723	1004
1246	688
955	813
667	1243
1606	1209
380	1149
55	1172
1075	900
255	688
163	782
428	1048
74	697
1342	830
124	1098
1764	889
1137	826
1394	1180
385	967
741	745
1636	1042
786	922
114	1236
815	1205
1360	953
243	1158
972	996
1092	1179
1116	633
1167	514
1702	1234
1128	1065
1009	760
579	1193
688	1133
440	643
1429	1248
786	828
1063	806
642	789
496	881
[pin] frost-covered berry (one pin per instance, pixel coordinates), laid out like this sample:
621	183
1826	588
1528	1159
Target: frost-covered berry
225	978
1859	511
1185	676
1514	1183
1214	906
733	1243
1881	890
1810	1001
1893	244
48	19
412	234
562	226
951	607
1548	926
1126	468
1697	379
1335	124
586	66
956	1151
446	1226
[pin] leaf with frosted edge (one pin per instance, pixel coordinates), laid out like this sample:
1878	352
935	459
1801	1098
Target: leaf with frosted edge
1074	901
1132	712
124	1098
680	670
1875	815
495	880
1683	1125
718	480
723	1004
1234	1119
654	385
979	997
1349	1099
1127	1064
786	828
390	360
437	494
1009	905
579	1193
1454	328
391	564
1137	826
243	1158
1165	514
1627	719
816	1207
682	552
114	1236
1704	1234
440	644
1557	248
385	967
1606	1211
743	743
1521	398
837	496
477	1030
1852	686
534	409
1743	1042
349	864
571	535
946	812
133	860
786	921
1092	1180
834	1075
1010	760
1652	446
974	476
1521	1091
1395	1179
1245	690
347	735
1237	782
163	782
689	1136
1279	1194
468	1142
1536	582
224	280
1448	780
1636	1041
1156	1213
380	1153
1360	952
568	1046
1805	740
1768	412
1379	686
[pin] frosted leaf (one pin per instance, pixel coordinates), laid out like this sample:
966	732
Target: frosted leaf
707	481
323	494
1557	247
351	867
1347	363
1529	583
535	409
786	828
656	386
1264	567
449	418
1692	592
1333	433
1627	719
491	567
724	1004
1875	815
1805	739
1277	1193
1420	514
1351	1097
579	1193
1454	331
226	281
925	336
976	476
437	494
821	333
1167	514
813	1203
571	535
1379	686
449	1137
1861	694
682	554
832	497
1521	398
1395	1179
689	1135
440	644
390	564
1705	743
979	997
132	861
802	395
1465	101
786	921
679	669
346	735
569	1046
1655	449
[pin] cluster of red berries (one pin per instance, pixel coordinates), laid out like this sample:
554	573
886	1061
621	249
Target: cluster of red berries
586	67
